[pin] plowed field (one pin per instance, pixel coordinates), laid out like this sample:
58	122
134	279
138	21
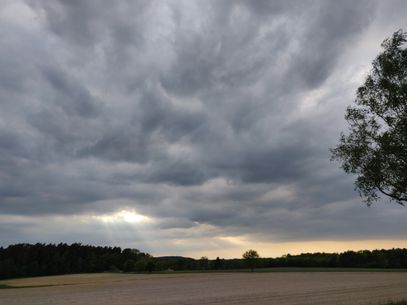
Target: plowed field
300	288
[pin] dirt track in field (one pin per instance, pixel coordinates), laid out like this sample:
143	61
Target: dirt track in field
300	288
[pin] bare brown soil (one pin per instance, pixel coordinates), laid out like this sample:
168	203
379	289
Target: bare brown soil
308	288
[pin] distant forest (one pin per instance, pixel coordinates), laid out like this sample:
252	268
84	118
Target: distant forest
23	260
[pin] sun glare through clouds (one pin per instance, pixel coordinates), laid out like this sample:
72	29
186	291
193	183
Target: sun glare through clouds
130	216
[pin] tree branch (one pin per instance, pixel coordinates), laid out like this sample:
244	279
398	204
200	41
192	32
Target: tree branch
399	199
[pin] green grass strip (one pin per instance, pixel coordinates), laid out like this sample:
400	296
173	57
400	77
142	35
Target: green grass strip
4	286
279	269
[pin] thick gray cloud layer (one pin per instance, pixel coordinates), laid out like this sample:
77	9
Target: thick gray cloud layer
212	117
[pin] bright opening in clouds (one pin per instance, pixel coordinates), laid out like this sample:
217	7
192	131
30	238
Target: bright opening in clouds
187	127
122	216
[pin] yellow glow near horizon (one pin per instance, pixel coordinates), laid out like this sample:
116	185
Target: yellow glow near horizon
278	249
129	216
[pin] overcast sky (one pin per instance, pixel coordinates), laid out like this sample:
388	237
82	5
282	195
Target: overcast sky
187	127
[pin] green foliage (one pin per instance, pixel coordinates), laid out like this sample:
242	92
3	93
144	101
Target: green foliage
150	266
251	256
403	302
23	260
174	263
203	263
113	268
129	265
218	263
140	266
376	147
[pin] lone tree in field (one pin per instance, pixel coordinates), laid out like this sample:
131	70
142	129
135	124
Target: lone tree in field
251	256
375	149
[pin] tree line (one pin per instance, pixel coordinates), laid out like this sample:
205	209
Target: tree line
23	260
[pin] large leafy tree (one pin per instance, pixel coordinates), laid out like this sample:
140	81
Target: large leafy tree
251	256
375	148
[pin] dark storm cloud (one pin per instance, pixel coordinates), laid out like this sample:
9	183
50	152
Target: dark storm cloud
334	26
70	95
83	23
214	113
